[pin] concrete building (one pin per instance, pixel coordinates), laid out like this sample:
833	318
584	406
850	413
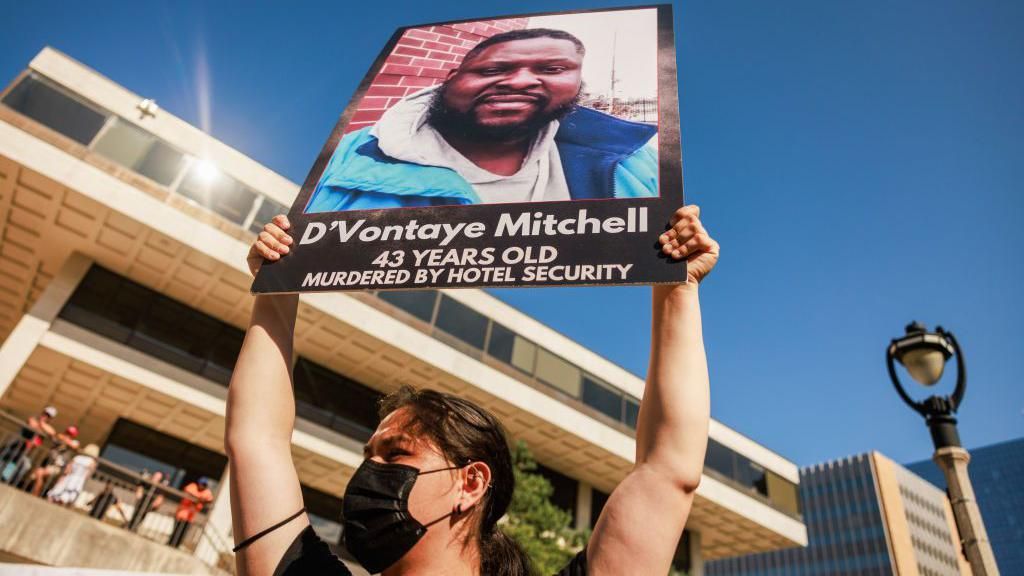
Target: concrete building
123	299
997	474
866	515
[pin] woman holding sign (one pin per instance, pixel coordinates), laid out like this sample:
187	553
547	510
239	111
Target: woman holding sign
437	474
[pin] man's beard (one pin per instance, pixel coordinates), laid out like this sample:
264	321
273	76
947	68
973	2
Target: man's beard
449	121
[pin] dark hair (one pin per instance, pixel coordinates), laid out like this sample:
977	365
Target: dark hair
526	34
465	432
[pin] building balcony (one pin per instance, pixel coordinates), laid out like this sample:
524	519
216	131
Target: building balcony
113	519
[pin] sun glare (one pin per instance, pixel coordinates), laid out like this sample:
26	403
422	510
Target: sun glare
206	171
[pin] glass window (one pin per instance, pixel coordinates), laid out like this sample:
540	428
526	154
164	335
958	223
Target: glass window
681	561
563	488
512	348
782	493
335	401
137	446
208	187
161	163
266	211
107	305
134	148
524	354
324	514
173	332
123	143
501	343
598	395
557	372
751	474
53	108
223	353
419	303
597	501
134	315
719	458
462	322
632	412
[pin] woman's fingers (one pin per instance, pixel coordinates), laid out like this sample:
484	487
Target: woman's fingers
686	236
277	233
689	212
270	241
265	251
699	243
685	222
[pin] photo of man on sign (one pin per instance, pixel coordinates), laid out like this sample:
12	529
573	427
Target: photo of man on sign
513	118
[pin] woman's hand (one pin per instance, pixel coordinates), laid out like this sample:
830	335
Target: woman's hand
272	243
688	239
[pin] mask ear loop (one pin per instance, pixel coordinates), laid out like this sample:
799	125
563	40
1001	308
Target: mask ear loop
432	522
458	507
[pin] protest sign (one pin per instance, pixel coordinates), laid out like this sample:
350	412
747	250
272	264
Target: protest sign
531	150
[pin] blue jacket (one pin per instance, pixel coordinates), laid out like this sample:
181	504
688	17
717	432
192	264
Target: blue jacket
602	157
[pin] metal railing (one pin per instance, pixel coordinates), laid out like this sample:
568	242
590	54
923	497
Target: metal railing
33	461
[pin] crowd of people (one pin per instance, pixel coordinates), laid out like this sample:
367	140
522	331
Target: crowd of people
63	469
61	472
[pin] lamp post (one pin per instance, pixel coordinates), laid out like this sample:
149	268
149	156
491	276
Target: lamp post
924	354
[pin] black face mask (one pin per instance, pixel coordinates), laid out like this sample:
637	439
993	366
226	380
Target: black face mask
378	526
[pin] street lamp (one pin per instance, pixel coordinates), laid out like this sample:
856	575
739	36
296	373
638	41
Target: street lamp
924	354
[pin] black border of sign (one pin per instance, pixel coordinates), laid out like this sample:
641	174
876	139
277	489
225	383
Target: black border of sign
280	277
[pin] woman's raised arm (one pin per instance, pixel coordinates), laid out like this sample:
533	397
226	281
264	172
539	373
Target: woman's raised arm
640	526
260	417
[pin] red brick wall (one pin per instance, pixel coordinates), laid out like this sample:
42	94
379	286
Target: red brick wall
423	58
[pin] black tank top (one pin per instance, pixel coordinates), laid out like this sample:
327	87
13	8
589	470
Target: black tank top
308	555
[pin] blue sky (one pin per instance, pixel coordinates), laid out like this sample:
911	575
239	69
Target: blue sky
860	163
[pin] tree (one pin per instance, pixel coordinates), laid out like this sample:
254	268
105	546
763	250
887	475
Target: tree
541	528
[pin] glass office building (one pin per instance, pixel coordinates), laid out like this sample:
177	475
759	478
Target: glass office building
124	296
866	516
997	474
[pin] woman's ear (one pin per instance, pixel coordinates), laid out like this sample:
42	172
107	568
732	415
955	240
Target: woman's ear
475	483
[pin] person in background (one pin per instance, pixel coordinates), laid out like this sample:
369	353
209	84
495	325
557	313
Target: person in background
199	495
99	505
68	488
43	424
65	445
15	454
147	498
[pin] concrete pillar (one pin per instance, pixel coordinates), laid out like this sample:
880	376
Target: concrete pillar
696	557
26	335
953	461
584	505
220	508
217	539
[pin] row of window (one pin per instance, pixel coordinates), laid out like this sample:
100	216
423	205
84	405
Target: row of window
457	320
150	322
938	555
143	319
923	502
124	143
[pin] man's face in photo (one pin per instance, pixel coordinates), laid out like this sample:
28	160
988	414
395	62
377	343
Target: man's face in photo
511	89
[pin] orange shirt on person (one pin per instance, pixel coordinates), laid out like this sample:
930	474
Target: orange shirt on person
188	507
